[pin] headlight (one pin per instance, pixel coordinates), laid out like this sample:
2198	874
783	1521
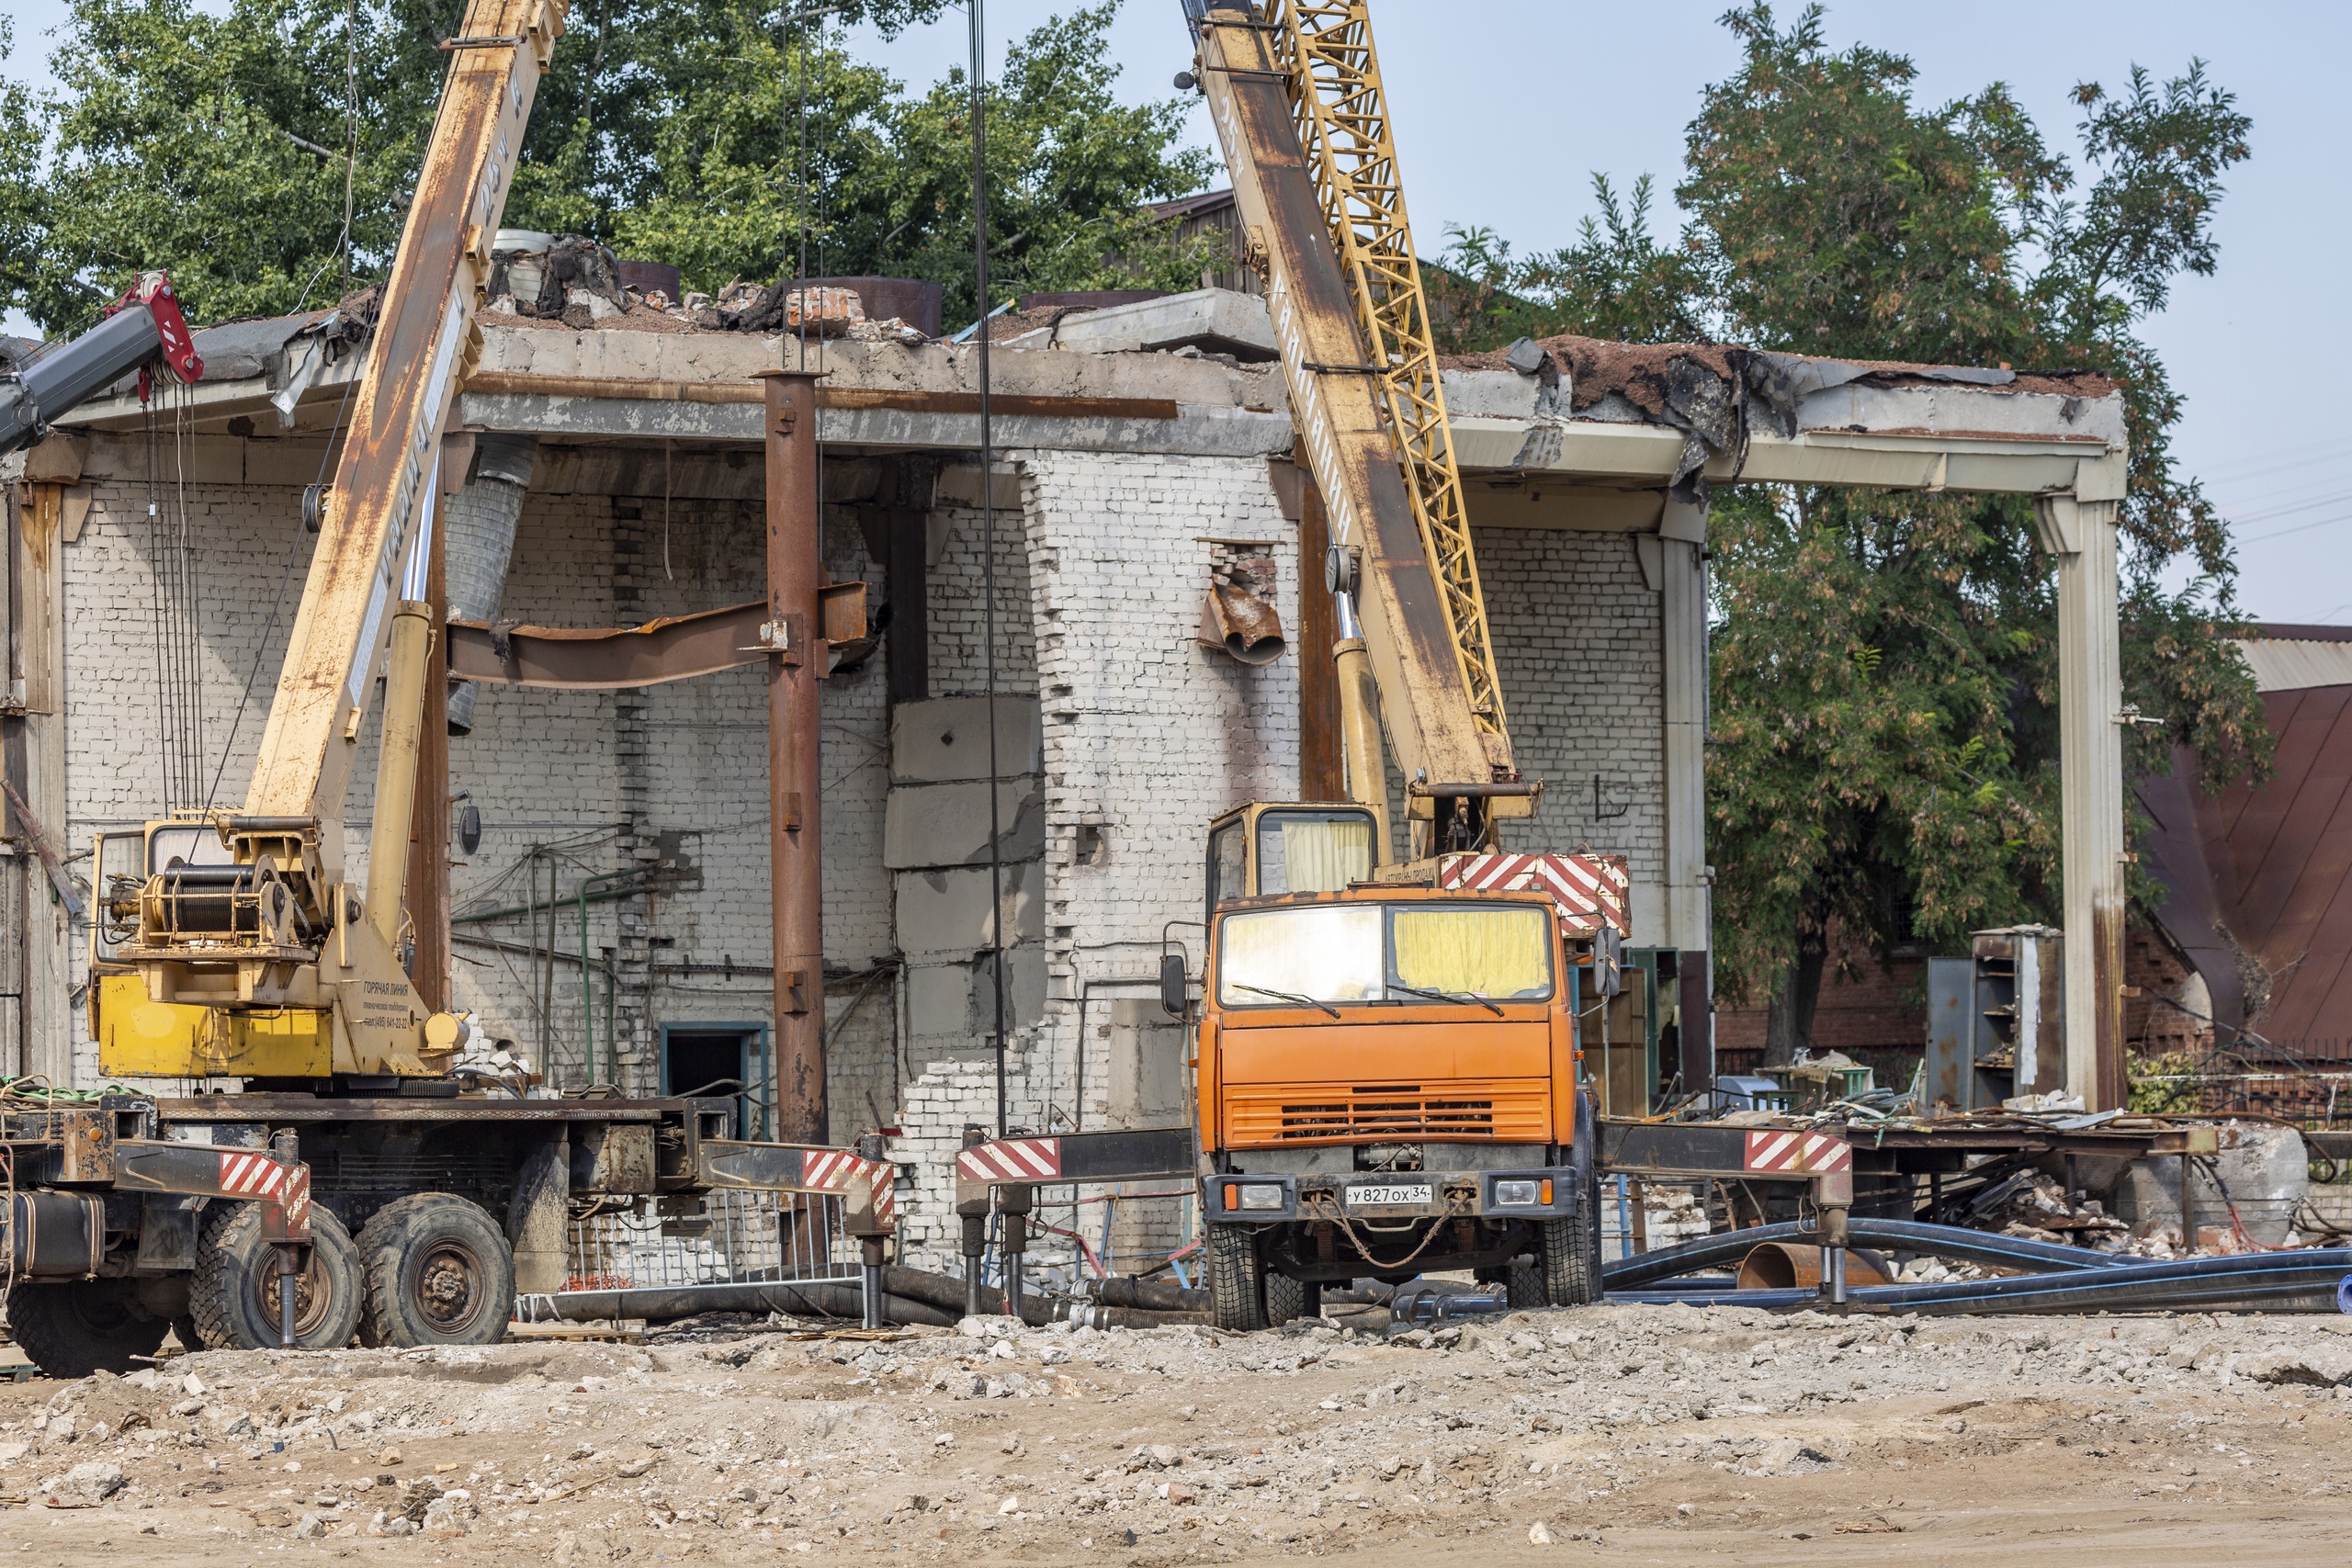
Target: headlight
1512	1194
1261	1195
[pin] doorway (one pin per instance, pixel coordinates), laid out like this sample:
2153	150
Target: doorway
713	1059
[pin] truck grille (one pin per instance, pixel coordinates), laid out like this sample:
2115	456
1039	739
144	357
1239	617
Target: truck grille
1506	1110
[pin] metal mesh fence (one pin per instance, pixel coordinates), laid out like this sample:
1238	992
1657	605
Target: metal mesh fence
739	1237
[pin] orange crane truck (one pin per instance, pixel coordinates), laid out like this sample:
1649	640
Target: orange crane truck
1388	1069
1389	1057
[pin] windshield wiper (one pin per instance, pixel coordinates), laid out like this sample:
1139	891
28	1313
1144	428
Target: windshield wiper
1450	996
1288	996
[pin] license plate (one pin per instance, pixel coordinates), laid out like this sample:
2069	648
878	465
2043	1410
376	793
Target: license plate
1389	1195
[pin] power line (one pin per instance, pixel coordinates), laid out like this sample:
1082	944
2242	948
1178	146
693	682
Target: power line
988	530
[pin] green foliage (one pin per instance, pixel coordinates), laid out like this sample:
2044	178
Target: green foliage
712	134
178	142
2162	1085
1616	282
1884	755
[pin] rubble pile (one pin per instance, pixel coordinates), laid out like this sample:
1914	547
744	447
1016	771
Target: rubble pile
1169	1444
2038	1207
577	281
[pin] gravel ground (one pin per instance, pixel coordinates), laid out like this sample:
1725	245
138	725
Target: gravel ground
1646	1434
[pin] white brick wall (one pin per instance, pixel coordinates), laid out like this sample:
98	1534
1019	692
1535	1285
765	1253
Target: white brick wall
1575	631
1100	570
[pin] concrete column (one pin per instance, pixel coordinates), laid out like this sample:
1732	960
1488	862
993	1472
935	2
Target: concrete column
1682	591
1689	912
2081	533
796	662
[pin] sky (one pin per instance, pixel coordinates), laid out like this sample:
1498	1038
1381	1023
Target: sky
1504	109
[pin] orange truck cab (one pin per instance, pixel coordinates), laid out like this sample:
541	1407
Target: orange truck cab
1387	1063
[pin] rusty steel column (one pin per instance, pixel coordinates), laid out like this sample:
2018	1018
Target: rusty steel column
796	660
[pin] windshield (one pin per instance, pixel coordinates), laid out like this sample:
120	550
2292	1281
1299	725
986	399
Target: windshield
1384	953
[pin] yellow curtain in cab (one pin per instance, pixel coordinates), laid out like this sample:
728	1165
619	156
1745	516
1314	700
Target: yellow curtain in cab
1324	857
1490	953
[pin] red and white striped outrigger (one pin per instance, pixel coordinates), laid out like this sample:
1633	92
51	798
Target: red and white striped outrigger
869	1201
281	1187
1591	891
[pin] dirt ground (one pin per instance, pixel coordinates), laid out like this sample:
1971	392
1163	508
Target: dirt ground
1626	1434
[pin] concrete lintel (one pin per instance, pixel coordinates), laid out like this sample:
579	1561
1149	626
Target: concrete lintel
1541	503
1194	432
1604	450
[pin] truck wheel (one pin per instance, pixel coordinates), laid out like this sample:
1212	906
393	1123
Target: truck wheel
1237	1280
78	1326
184	1330
1524	1279
1569	1252
235	1297
1285	1298
439	1272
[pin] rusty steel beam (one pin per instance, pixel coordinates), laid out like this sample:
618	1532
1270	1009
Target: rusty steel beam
796	660
674	647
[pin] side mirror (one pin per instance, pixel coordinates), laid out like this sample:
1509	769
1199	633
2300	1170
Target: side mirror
1608	960
1175	992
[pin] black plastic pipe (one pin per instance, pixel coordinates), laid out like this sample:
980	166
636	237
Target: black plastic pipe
2304	1281
800	1299
1907	1235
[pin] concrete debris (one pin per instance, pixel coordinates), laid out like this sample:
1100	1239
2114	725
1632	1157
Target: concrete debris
1319	1437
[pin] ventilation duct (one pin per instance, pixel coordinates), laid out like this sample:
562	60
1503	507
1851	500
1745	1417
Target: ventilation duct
479	539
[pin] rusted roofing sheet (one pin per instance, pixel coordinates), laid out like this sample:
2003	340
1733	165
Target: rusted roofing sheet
2277	872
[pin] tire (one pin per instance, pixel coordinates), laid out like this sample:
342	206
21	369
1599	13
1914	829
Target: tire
234	1296
1237	1283
1568	1250
1310	1300
74	1328
184	1330
439	1271
1525	1280
1285	1297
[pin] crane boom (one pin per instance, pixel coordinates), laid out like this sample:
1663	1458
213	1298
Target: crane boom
424	341
1342	119
271	967
1298	109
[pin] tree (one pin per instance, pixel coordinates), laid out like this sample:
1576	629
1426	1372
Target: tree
1885	668
730	138
1884	726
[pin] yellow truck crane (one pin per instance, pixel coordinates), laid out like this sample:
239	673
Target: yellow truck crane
356	1186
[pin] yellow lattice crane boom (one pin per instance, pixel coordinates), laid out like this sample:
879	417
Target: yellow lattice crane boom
1296	98
1342	116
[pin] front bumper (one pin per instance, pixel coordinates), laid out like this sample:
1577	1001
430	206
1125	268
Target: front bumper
1383	1201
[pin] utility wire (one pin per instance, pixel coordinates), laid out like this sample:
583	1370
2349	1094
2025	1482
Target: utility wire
988	530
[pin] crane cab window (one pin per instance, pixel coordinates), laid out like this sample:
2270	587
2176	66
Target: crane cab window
1228	862
1312	851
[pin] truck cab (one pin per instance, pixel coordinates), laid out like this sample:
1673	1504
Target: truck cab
1387	1070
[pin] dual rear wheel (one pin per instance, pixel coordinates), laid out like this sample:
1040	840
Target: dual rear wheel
429	1269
